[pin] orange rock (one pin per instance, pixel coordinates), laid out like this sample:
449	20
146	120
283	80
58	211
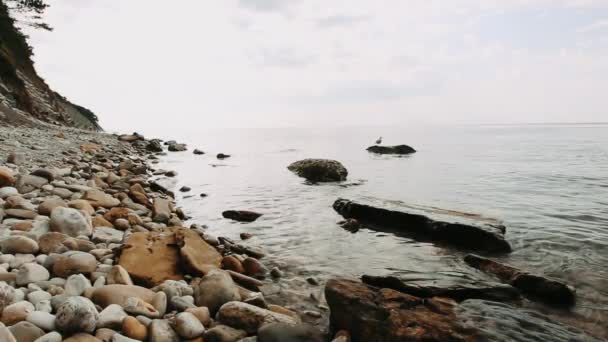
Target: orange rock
89	147
6	177
123	173
100	221
116	213
284	311
140	198
82	205
151	258
132	328
254	268
137	188
197	256
23	226
231	263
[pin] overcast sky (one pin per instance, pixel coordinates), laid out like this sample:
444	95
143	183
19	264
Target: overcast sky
249	63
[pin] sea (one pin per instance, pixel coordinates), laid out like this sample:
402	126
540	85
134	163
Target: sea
547	183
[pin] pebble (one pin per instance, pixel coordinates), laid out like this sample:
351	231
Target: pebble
249	317
76	284
26	332
6	335
74	262
112	317
42	320
187	325
215	289
132	328
50	337
31	272
160	331
76	314
71	222
16	312
18	244
224	333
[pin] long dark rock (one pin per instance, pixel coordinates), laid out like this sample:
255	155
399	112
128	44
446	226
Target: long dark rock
485	238
533	286
499	292
398	149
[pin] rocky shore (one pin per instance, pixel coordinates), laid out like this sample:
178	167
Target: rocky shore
94	249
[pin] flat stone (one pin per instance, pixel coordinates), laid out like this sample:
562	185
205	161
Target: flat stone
82	205
111	317
21	213
100	199
6	177
50	337
61	192
197	257
31	273
249	317
52	242
74	262
46	207
7	191
18	244
118	294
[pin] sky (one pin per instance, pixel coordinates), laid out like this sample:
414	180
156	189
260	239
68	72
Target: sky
151	64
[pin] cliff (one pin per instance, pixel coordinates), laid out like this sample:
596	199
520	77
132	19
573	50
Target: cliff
25	98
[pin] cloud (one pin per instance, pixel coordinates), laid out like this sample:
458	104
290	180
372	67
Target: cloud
286	57
594	27
342	20
266	5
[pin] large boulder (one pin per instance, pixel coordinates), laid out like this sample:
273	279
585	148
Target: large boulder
196	256
482	237
71	222
398	149
374	314
319	170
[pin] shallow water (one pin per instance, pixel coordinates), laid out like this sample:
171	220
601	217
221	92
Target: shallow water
547	183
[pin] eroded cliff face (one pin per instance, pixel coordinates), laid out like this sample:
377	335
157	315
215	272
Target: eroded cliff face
25	99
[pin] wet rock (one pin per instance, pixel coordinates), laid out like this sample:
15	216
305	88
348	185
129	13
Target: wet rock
197	151
350	224
254	268
497	292
533	286
196	256
154	146
188	326
132	328
214	290
222	156
100	199
185	189
7	191
177	147
29	183
46	207
26	332
6	177
71	222
224	333
483	238
30	273
249	317
18	244
137	306
76	314
74	262
319	170
397	149
44	173
373	314
160	331
230	262
281	332
241	215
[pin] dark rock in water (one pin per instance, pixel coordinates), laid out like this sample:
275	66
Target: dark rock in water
241	215
171	173
236	248
185	189
499	292
319	170
222	156
398	149
155	186
479	238
197	151
374	314
281	332
154	146
203	195
131	137
350	224
177	147
170	142
534	286
246	236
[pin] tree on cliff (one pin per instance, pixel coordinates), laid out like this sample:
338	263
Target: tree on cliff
28	12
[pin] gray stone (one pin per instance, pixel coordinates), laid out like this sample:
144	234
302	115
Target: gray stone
76	284
160	331
281	332
76	314
71	222
111	317
107	235
224	333
42	320
8	191
187	325
36	297
31	272
215	289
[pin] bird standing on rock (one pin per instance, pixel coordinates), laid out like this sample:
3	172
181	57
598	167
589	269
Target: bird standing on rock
379	141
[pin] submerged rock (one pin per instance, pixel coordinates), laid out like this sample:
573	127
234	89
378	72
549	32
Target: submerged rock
319	170
241	215
497	292
398	149
373	314
481	238
535	286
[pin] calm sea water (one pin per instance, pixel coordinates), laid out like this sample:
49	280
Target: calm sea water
547	183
